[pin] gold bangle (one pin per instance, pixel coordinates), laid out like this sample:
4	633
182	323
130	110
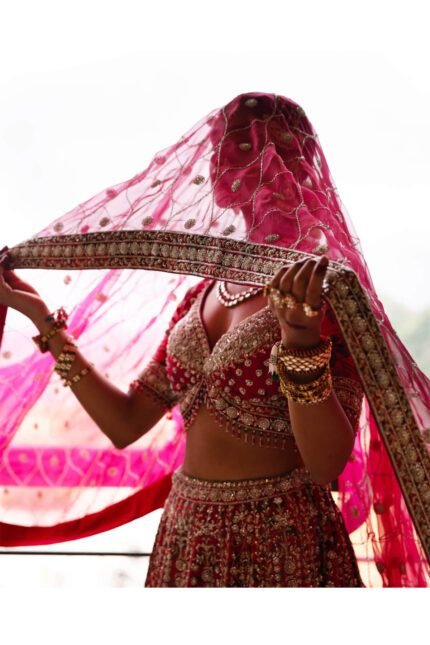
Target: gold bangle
306	399
299	361
316	391
310	385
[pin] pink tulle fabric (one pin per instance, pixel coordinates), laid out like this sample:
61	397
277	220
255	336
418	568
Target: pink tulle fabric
251	171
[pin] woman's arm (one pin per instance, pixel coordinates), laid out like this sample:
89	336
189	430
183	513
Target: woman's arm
323	432
324	437
121	417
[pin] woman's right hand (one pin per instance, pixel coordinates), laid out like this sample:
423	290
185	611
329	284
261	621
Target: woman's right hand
19	295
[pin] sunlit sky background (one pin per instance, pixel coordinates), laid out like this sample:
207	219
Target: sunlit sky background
90	90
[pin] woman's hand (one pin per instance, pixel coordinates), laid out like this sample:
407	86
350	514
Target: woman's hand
303	280
19	295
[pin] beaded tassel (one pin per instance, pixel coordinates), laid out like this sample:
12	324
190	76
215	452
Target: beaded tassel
273	360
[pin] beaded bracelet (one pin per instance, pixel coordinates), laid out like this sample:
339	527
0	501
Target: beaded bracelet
66	358
77	377
59	321
65	361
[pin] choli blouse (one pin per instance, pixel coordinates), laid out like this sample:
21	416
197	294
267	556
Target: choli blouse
233	380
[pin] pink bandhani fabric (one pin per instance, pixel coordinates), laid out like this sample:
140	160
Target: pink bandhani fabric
244	191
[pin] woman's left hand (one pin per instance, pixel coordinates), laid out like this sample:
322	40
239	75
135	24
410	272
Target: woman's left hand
303	280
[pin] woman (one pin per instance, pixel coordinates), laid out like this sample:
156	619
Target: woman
256	512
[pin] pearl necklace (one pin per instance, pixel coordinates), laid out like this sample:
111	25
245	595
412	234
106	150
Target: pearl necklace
229	300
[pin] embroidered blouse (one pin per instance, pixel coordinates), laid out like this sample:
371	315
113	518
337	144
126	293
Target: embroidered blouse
233	380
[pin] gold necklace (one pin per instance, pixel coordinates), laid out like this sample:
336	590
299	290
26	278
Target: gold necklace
231	300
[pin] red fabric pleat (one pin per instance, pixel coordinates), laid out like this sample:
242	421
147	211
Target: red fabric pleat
143	502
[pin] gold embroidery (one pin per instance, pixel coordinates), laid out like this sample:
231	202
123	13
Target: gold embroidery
282	531
250	421
199	179
205	490
176	252
254	420
154	379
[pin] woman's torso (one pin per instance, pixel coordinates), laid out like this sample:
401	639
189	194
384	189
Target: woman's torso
211	453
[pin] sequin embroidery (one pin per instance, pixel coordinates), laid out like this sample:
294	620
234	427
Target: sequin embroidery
232	379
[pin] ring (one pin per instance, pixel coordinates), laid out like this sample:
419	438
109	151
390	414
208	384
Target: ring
310	312
289	301
280	299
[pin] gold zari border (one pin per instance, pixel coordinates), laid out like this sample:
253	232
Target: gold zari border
254	264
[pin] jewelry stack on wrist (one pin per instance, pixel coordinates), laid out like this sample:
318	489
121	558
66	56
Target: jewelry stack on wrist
286	364
59	321
65	360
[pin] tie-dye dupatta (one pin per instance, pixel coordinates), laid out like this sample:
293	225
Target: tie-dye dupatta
244	191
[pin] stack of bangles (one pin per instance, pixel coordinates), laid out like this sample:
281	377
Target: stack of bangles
68	353
288	364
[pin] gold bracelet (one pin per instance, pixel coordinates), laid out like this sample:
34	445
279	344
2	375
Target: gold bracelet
316	391
302	361
313	383
65	361
298	361
66	358
308	386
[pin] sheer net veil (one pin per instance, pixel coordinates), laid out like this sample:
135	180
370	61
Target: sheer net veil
246	190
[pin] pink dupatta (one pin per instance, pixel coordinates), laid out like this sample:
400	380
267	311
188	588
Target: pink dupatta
244	191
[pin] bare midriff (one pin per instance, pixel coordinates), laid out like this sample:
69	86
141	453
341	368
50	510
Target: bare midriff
212	452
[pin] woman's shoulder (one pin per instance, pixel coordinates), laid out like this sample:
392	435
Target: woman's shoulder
193	292
188	300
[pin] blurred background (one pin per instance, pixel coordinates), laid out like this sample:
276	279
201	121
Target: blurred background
91	91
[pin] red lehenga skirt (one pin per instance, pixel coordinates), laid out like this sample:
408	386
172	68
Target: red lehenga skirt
282	531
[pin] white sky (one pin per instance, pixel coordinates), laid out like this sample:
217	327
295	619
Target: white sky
89	91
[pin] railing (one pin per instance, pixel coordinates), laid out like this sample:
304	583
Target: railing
136	554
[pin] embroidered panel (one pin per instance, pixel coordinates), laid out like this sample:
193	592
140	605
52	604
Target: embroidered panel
174	252
155	379
254	335
384	391
284	531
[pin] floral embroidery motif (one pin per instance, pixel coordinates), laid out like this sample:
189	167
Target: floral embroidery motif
282	531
